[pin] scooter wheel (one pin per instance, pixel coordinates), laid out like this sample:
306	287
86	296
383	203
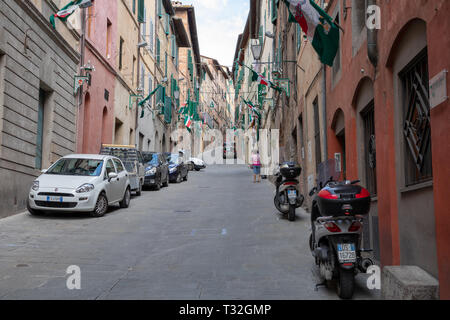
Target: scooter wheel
346	284
291	214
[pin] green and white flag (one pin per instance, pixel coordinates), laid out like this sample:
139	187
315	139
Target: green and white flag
141	104
68	10
318	27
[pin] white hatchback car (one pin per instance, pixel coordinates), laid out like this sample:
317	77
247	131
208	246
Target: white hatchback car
81	183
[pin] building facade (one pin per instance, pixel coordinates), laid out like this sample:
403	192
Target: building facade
382	116
96	116
38	112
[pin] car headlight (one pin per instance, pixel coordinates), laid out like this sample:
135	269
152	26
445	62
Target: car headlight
172	170
85	188
35	186
152	171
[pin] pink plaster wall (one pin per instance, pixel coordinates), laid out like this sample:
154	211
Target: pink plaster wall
93	130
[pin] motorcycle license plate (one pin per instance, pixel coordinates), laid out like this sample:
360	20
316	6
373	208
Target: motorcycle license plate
292	194
346	252
54	199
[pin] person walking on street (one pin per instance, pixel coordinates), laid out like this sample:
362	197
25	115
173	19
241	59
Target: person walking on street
256	164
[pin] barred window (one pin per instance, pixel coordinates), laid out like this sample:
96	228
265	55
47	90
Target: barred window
416	121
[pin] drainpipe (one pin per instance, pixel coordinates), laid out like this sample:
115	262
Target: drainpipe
324	103
372	37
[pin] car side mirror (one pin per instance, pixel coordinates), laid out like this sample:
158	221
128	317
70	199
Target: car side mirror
112	175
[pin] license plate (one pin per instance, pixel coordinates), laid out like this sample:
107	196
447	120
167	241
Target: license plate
54	199
346	252
292	194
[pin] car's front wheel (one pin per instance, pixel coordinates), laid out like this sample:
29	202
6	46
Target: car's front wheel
125	203
100	207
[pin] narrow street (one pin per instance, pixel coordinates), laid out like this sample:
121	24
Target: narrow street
217	236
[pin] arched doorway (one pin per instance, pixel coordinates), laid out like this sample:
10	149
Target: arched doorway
86	122
408	62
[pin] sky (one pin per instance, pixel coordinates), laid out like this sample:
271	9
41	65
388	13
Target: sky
219	23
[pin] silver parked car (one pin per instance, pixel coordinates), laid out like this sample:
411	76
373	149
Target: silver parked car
81	183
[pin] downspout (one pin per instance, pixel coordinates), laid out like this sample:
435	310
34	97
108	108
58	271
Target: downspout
372	37
324	103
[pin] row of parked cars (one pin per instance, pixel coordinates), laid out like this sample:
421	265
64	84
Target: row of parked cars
92	183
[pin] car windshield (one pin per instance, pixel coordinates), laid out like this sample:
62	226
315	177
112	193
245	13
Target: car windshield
77	167
152	159
173	159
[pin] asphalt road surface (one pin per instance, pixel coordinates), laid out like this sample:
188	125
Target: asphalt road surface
217	236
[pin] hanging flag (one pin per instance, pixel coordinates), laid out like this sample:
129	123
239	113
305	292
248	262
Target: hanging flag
68	10
318	27
141	103
264	81
249	104
188	123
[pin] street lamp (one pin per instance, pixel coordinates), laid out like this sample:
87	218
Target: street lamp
256	50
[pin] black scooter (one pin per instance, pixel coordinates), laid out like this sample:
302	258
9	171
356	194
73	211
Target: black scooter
287	195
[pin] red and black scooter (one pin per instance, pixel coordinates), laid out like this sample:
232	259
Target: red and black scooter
337	214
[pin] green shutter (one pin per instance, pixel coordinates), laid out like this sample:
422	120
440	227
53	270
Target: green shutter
165	69
167	23
159	8
158	55
274	11
141	14
168	110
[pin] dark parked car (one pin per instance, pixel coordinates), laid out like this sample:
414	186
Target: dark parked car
178	170
156	170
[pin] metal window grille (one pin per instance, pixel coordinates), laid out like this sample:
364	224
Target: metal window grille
416	121
368	117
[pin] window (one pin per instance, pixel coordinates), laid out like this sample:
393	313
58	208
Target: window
141	141
299	37
159	8
158	55
144	25
337	59
167	23
40	129
151	37
90	19
132	71
108	38
121	42
317	132
110	167
416	121
359	8
150	84
368	116
142	79
134	6
274	4
119	165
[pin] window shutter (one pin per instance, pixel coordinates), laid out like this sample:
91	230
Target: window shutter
151	38
274	11
159	8
167	23
158	56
